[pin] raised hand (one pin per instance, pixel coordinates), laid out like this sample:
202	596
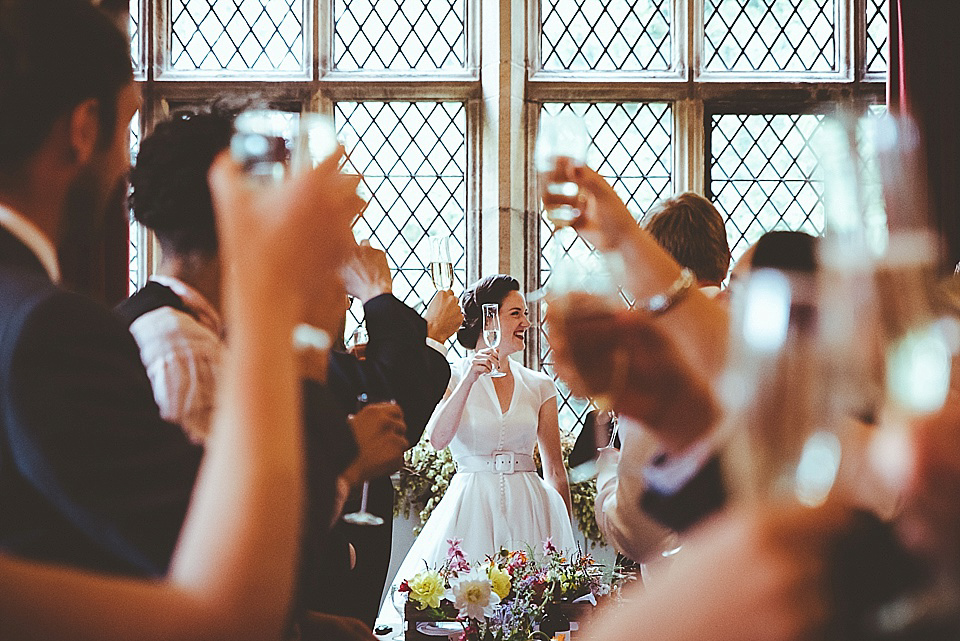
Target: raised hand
380	432
366	274
483	362
443	316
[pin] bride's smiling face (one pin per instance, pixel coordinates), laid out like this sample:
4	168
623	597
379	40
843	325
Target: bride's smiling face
513	324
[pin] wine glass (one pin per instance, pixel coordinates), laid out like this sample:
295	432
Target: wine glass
605	423
441	266
562	144
363	517
398	600
358	345
491	331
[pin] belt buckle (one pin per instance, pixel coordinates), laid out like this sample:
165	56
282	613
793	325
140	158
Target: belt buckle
504	462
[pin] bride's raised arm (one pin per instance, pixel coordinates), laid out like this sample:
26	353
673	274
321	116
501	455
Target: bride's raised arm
443	425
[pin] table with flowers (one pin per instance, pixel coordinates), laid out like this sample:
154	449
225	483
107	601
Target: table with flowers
502	597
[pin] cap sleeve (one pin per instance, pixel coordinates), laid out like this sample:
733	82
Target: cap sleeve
548	389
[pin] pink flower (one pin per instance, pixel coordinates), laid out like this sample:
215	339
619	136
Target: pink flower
456	559
549	548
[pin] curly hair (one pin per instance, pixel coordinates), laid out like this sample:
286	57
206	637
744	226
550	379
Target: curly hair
170	193
491	289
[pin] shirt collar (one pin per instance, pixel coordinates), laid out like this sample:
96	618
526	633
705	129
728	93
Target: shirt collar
199	306
710	291
35	240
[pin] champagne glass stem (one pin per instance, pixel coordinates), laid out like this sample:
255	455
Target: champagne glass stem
364	496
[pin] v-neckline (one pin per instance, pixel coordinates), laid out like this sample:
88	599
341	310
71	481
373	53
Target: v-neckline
496	397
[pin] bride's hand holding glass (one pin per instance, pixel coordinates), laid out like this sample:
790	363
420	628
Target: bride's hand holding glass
483	362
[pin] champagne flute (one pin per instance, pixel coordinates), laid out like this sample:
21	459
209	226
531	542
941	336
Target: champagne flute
491	331
358	344
272	144
262	143
363	517
604	423
441	266
562	144
398	600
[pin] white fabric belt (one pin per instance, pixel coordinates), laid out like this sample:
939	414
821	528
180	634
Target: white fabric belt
498	462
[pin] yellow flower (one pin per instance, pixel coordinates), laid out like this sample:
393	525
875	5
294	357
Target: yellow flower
500	581
427	588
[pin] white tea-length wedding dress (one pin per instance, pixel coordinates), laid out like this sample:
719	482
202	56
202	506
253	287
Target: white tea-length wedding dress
496	499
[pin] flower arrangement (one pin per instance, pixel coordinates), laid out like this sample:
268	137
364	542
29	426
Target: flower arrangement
426	474
504	596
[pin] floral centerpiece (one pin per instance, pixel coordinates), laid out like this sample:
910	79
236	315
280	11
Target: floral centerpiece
426	474
502	597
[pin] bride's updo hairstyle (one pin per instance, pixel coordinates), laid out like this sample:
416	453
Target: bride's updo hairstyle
491	289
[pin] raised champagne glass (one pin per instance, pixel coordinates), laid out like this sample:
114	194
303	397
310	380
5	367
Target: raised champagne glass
441	266
562	144
491	331
363	517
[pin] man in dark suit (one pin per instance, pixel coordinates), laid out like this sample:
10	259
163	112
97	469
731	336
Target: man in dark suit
90	474
412	373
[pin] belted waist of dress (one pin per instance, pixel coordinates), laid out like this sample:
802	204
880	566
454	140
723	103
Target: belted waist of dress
498	462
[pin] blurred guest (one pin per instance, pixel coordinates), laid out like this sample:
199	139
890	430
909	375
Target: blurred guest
691	229
95	478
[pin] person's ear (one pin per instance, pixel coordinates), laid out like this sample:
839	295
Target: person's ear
83	130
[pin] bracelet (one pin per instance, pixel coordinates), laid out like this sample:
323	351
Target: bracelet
660	304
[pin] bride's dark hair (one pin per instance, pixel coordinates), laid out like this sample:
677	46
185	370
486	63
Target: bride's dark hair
491	289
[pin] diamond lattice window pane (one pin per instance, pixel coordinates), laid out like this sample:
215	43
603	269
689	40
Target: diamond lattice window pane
606	35
237	35
877	34
770	35
399	34
134	27
763	175
632	148
137	277
413	159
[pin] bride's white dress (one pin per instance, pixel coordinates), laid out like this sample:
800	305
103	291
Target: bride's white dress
490	509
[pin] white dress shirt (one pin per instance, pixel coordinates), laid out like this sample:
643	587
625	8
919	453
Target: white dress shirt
181	353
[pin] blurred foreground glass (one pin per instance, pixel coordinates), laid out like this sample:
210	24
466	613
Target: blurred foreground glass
271	144
784	442
562	144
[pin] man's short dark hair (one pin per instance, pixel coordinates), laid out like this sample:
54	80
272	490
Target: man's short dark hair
55	54
170	191
691	229
789	250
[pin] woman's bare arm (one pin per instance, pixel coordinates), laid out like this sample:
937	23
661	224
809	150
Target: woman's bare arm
548	439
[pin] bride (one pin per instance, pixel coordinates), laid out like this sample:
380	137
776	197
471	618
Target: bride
496	498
